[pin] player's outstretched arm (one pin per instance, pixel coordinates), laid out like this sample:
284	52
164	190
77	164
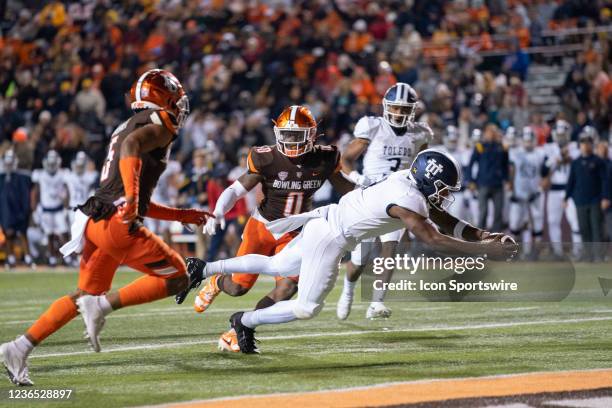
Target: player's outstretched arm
183	215
141	140
425	232
341	182
228	198
353	151
450	225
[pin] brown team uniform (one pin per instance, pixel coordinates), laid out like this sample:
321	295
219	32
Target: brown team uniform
288	188
110	242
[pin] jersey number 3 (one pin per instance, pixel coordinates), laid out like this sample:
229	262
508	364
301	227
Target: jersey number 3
294	204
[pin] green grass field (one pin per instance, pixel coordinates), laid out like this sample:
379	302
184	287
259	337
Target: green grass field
161	352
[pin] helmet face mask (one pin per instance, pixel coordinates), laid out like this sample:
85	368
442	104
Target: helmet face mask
295	131
442	198
399	105
398	115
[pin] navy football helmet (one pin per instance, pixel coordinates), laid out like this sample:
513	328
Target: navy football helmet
437	175
399	105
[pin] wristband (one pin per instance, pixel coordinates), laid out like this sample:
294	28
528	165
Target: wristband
458	230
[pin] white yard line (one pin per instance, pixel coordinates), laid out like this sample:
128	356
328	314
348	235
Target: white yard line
336	334
189	310
517	309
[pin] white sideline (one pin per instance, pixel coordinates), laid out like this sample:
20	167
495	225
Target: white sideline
335	334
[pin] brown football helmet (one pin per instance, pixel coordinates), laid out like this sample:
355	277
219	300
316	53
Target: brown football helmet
160	89
295	130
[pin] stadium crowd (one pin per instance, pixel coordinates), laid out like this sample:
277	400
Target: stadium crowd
67	66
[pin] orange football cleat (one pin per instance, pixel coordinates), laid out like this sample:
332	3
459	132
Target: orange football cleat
229	342
207	295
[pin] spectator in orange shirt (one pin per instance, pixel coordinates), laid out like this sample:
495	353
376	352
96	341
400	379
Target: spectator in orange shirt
358	38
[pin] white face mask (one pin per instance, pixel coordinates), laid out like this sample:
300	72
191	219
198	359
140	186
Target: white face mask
404	113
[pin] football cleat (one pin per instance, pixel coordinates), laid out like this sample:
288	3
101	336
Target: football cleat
229	342
207	295
377	310
343	308
94	320
195	270
15	363
244	335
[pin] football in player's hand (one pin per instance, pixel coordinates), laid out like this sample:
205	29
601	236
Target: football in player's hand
508	248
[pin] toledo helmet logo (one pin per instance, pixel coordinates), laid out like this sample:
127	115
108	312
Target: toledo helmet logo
282	175
433	168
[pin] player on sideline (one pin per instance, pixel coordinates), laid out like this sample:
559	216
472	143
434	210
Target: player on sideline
560	154
290	173
50	193
108	226
527	171
408	198
388	143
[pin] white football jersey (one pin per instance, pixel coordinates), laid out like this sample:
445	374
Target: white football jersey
362	213
559	172
51	186
388	152
527	171
80	186
165	192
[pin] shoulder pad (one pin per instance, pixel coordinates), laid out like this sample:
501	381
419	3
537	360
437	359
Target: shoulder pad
260	157
366	127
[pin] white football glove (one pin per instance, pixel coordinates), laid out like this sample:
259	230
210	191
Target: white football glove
359	179
211	224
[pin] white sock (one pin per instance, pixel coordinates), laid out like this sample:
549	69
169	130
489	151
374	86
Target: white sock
104	305
349	287
11	259
376	303
280	312
24	345
251	263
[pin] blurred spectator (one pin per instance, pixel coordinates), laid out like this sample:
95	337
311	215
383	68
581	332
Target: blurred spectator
587	187
492	160
241	63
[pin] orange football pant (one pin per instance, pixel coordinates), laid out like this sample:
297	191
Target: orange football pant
256	239
109	244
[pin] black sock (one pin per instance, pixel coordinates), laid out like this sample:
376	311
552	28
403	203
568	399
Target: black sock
220	283
265	301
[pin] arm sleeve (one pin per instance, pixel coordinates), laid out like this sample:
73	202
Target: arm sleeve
604	179
228	198
505	165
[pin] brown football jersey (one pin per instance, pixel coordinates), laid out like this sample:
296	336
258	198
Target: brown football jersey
103	203
290	183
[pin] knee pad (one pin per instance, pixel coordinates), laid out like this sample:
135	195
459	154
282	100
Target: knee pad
304	311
